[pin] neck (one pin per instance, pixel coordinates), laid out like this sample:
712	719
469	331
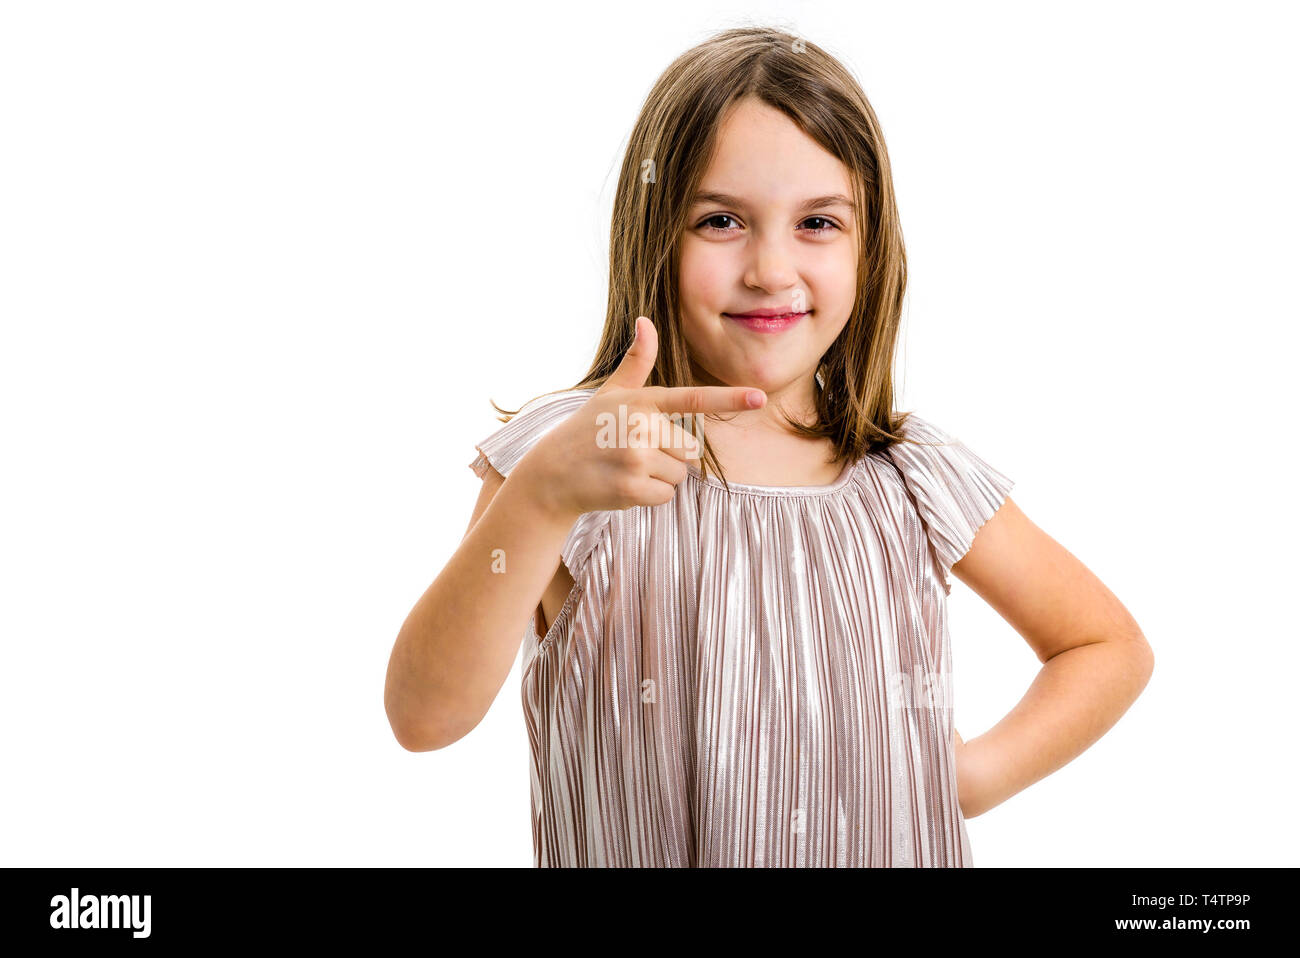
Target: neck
797	399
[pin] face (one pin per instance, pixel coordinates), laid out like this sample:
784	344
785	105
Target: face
767	238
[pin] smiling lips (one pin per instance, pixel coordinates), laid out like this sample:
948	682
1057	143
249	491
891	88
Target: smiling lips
767	320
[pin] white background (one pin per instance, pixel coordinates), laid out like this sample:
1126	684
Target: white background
263	264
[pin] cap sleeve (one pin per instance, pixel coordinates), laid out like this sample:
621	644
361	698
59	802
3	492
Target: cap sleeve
955	490
507	445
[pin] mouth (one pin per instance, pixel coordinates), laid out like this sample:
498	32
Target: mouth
767	320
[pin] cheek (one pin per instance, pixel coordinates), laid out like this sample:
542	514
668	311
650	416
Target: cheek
849	271
836	277
703	274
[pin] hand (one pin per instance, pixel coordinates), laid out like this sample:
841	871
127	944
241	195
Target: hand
584	465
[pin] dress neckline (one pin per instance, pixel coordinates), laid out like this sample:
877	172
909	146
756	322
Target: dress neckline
750	489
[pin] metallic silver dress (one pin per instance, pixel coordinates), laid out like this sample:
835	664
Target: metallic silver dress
758	677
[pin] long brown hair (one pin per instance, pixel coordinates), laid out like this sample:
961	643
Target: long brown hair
665	162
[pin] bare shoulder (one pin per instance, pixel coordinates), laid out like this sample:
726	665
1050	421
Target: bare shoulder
1042	589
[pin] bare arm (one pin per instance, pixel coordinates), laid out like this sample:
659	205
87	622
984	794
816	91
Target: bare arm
1095	658
457	645
455	648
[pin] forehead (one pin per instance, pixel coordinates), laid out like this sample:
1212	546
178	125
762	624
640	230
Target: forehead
762	158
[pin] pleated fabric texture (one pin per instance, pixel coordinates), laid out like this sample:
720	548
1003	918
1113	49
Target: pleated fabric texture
759	677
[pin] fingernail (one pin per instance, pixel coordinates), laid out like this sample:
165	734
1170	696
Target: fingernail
754	398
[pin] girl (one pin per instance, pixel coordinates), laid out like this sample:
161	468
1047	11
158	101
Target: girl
746	661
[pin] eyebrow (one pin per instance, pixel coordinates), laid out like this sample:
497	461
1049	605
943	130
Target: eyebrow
726	199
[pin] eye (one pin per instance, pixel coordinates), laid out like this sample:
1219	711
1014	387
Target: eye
717	216
818	230
824	229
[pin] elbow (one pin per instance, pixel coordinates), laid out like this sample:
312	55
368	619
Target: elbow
422	716
419	733
423	740
412	740
412	733
1142	658
417	738
410	716
407	734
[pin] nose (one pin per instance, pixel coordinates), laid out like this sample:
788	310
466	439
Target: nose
770	263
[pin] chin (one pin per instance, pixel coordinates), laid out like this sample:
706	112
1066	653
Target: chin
769	381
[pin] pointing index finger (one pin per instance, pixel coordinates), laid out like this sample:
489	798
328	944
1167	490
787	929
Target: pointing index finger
707	399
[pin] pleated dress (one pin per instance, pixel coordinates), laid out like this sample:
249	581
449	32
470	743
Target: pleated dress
754	677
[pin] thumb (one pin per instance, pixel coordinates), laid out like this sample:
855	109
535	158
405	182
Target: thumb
634	370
